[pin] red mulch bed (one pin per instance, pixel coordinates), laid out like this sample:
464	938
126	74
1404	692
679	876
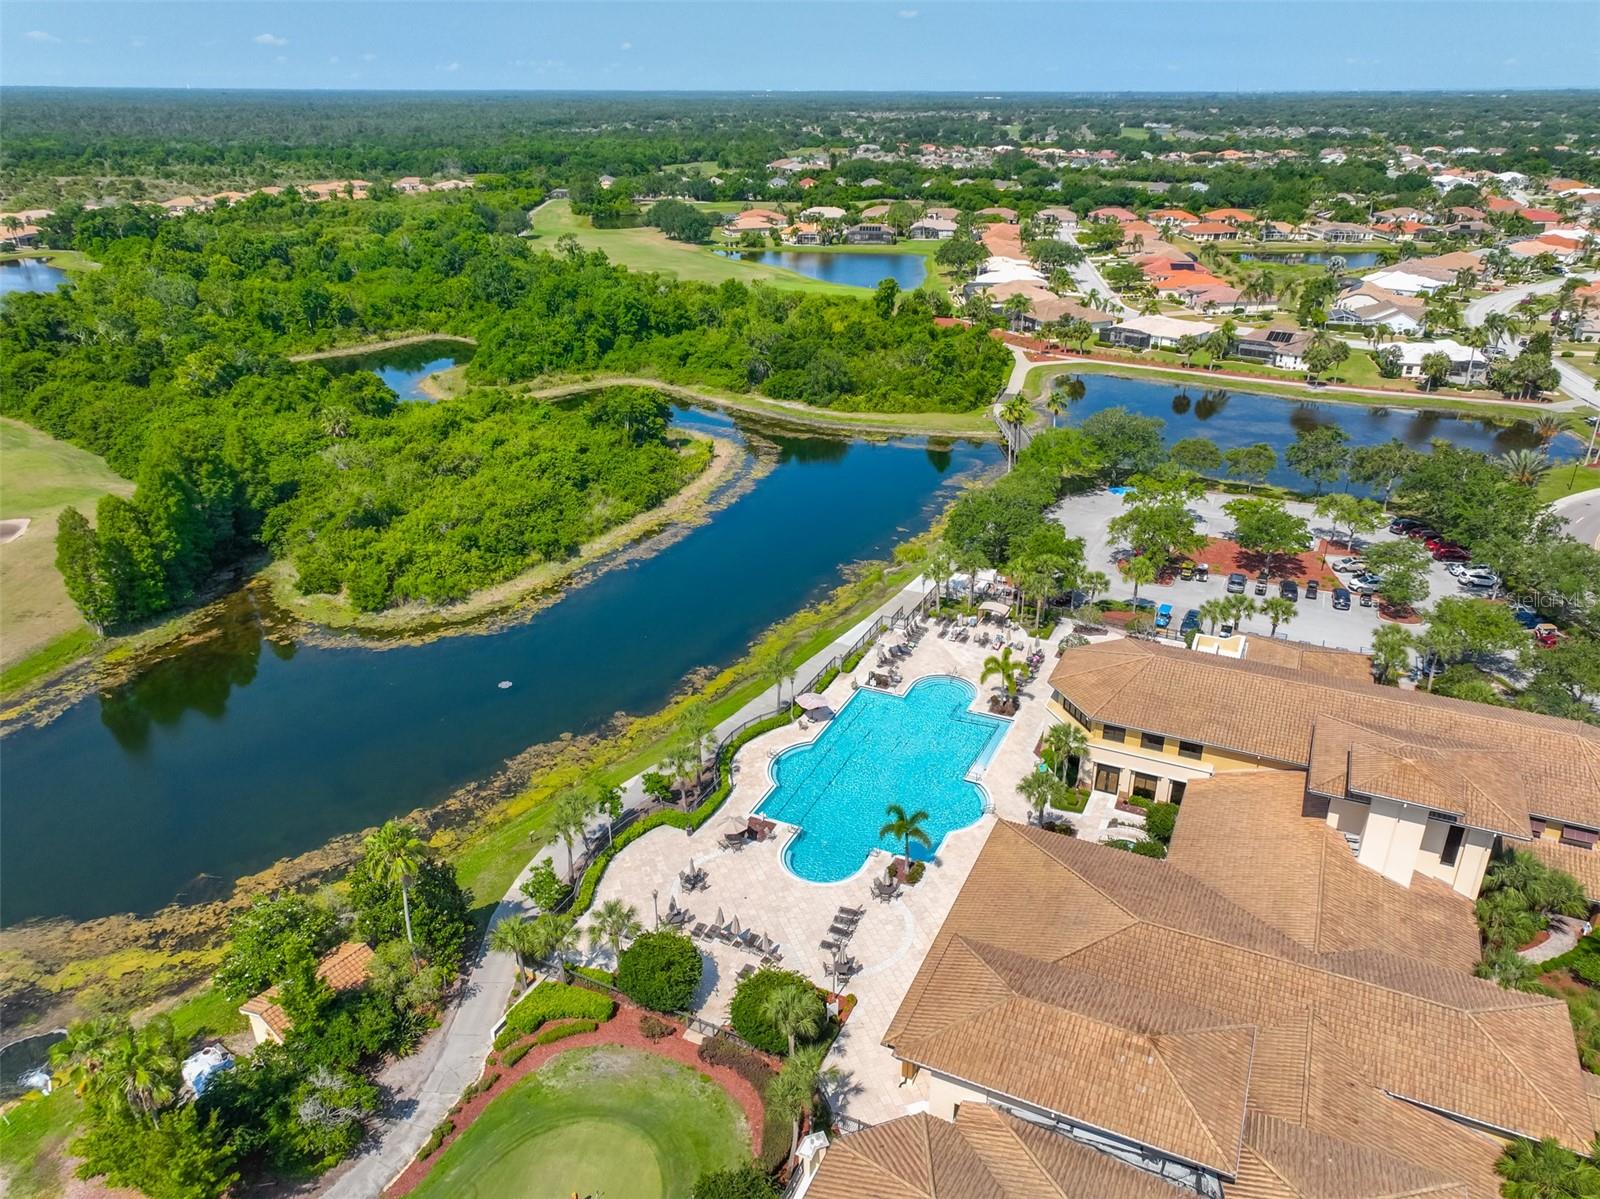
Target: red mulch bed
1539	939
622	1029
1225	557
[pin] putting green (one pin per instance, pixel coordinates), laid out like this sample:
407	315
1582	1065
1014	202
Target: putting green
604	1123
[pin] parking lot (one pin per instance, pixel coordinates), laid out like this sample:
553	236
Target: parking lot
1316	620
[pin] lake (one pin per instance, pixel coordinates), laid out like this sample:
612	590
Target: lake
1234	418
866	269
247	746
29	274
1355	260
404	368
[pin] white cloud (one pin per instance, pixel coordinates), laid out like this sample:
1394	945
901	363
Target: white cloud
39	35
369	56
907	14
627	45
451	66
270	39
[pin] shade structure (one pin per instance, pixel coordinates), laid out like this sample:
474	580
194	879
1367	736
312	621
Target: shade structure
718	922
810	700
733	926
995	608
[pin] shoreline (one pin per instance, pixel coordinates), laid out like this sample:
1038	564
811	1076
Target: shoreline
971	426
374	347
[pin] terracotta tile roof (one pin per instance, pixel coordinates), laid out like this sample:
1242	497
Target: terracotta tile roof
1298	655
1269	712
983	1154
343	968
1258	839
1293	1161
1137	927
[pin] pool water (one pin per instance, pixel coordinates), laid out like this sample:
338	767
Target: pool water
914	750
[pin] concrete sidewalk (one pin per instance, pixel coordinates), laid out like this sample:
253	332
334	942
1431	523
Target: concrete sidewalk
423	1087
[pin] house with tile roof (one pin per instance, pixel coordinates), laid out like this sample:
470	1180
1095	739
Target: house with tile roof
343	968
1173	1020
1417	785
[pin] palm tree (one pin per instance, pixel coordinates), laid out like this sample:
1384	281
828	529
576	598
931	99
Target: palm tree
1067	742
1006	668
1240	608
796	1010
939	566
613	923
906	828
517	935
1138	571
1094	582
1546	428
395	854
782	669
1072	388
1015	413
1016	307
111	1057
83	1054
1525	467
1055	404
568	821
1545	1170
1213	612
1037	787
1279	611
790	1093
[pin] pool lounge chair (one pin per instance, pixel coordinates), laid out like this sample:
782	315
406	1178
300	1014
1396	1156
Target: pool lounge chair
853	913
698	932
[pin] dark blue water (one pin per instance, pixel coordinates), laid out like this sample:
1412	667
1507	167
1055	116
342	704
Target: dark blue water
247	747
404	368
854	270
1235	418
1355	260
29	274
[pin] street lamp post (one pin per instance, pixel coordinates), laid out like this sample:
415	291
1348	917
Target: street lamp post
655	907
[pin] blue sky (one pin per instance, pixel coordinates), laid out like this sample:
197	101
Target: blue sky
853	45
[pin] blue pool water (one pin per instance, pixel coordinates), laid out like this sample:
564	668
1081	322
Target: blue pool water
881	749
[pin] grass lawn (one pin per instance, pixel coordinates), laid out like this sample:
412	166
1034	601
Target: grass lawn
646	249
67	260
595	1122
33	1139
41	477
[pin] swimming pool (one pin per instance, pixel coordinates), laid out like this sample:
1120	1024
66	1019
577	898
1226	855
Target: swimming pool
914	750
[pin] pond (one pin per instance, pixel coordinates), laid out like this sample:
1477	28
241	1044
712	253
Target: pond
1235	418
404	368
247	746
29	274
865	269
1355	260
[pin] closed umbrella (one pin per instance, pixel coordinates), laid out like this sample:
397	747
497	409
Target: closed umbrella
718	922
733	926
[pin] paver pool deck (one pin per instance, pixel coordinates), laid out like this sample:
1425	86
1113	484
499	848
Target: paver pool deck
753	883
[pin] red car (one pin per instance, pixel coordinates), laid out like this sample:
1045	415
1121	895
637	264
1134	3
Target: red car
1451	553
1422	533
1437	540
1547	635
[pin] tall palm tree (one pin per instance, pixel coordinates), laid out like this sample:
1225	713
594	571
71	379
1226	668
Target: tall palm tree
1525	467
395	854
906	827
796	1010
791	1092
613	923
517	935
82	1055
1138	571
1547	427
1015	413
1213	612
1055	404
139	1067
1066	742
782	668
1006	668
939	566
1072	388
1094	582
1545	1170
568	821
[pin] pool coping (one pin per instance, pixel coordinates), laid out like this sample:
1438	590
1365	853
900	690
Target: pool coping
794	830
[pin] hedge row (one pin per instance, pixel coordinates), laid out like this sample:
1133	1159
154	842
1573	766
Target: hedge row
688	821
552	1001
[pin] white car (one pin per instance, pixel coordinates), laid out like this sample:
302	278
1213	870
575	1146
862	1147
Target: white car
1366	582
1350	565
1479	577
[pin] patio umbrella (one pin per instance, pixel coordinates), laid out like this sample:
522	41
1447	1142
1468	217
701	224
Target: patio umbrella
810	700
717	923
733	926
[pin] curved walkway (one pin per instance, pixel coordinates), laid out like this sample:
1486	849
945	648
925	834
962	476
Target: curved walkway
621	1030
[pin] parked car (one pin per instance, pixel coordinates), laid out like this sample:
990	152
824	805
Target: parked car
1236	584
1479	576
1451	553
1261	584
1422	533
1547	635
1353	564
1526	616
1366	599
1311	589
1190	622
1341	599
1401	525
1225	629
1458	568
1289	589
1164	616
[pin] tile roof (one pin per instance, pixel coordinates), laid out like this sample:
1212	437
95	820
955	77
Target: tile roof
1258	839
1269	711
343	968
983	1154
1136	927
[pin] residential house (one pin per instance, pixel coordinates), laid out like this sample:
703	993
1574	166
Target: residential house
1417	784
1003	270
1211	231
1406	282
1274	231
1058	220
1008	215
931	228
1468	366
822	212
1260	1020
1501	205
1401	230
1370	306
409	184
1400	214
1281	346
1334	232
1045	306
1172	216
1535	247
870	233
1111	213
343	968
183	205
755	220
448	185
1230	216
1139	232
1154	332
1545	218
803	233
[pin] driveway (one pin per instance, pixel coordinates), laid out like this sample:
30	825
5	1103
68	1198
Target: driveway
1088	278
1573	381
1316	621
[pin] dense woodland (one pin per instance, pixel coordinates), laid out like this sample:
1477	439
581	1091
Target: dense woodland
170	361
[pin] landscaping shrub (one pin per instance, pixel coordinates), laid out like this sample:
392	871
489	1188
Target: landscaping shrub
559	1032
660	971
596	975
1070	799
1159	821
515	1054
546	888
748	1014
654	1028
720	1051
435	1138
741	1182
553	1001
